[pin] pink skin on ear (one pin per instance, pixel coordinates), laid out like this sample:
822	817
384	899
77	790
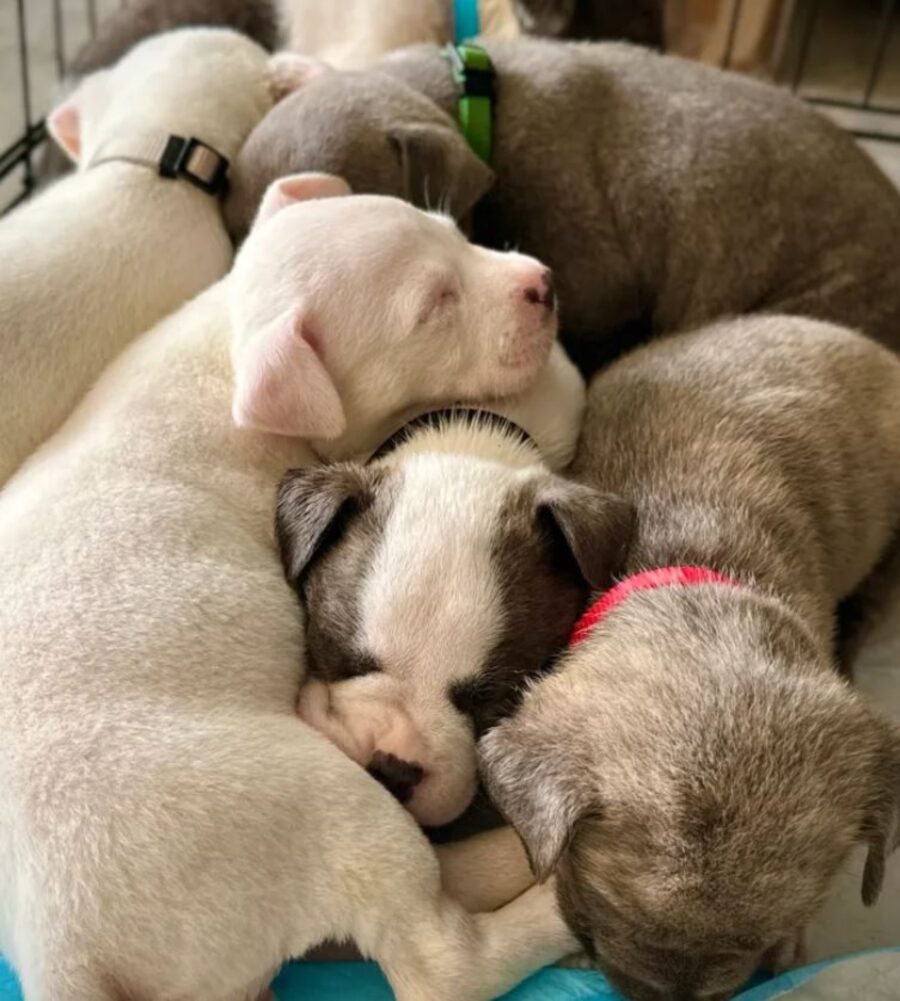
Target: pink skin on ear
282	386
64	125
288	71
299	188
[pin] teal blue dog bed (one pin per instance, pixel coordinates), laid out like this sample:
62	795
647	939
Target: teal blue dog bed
873	976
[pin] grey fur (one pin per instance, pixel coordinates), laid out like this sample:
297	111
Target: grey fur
696	771
662	193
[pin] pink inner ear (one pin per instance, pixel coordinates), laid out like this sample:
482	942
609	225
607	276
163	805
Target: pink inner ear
282	386
300	188
64	125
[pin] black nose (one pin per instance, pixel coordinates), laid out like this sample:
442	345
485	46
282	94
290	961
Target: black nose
398	777
545	295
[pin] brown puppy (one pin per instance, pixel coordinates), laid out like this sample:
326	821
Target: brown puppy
695	771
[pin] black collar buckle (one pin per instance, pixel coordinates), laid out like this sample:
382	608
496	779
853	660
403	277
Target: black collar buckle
197	163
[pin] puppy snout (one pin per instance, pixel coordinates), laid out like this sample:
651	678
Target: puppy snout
542	293
399	777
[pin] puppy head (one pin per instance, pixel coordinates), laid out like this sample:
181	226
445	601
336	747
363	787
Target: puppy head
435	585
350	309
212	83
381	135
695	798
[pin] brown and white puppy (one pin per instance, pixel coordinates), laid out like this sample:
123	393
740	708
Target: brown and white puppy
437	579
695	771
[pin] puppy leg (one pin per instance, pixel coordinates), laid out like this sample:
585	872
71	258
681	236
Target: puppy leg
431	948
268	842
486	871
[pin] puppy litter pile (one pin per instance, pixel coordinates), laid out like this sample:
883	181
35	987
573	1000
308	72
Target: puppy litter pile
449	503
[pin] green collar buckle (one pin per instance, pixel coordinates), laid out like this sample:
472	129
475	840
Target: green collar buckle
474	73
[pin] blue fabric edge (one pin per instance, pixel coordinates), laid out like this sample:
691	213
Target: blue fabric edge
585	990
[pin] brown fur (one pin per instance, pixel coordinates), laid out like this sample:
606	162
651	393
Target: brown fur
696	771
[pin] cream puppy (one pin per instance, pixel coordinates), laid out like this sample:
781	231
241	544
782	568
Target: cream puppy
168	828
355	33
107	252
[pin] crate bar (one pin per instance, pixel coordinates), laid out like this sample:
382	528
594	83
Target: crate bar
59	39
889	9
13	155
809	27
28	179
736	7
92	16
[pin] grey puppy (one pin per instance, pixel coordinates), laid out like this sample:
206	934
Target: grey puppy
695	771
662	193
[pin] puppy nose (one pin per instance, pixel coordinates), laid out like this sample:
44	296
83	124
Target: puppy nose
544	294
397	776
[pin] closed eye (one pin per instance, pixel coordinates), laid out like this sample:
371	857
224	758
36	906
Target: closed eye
441	297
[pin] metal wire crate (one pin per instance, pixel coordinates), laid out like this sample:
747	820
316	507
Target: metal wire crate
841	54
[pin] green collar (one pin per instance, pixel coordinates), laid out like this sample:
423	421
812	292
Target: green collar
474	74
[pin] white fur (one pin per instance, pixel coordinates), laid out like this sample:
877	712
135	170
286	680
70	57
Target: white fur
105	253
372	289
168	828
431	608
353	34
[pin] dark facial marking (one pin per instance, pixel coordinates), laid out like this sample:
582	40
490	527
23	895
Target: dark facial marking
543	594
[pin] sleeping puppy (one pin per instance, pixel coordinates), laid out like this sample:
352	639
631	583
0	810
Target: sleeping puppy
694	771
168	827
662	193
92	263
437	578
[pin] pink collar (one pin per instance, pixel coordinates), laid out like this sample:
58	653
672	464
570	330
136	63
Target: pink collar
648	580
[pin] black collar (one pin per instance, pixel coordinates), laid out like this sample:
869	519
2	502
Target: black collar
434	419
172	157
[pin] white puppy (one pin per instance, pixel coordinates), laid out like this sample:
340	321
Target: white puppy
104	254
169	829
354	34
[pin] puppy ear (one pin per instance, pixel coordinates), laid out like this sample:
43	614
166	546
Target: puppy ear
537	786
64	126
299	188
881	828
289	71
309	509
597	527
440	169
282	385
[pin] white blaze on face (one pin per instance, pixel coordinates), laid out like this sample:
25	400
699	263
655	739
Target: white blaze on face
431	611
